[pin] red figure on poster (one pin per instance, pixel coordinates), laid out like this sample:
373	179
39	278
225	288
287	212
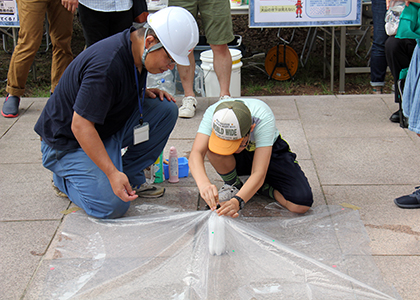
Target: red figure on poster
299	9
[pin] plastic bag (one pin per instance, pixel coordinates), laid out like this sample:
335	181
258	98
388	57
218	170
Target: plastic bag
164	254
198	84
163	81
392	17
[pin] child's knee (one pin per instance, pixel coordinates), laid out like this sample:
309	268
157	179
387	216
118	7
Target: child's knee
299	209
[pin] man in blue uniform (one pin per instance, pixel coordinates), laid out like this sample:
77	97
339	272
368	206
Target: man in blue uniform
101	105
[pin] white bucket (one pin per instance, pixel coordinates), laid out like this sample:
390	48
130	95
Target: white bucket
210	79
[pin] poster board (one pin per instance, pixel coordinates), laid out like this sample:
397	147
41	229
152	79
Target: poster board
9	13
304	13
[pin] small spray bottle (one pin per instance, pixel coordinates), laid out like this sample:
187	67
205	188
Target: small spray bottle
173	165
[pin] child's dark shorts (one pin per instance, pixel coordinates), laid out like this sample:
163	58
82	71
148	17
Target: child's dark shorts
284	173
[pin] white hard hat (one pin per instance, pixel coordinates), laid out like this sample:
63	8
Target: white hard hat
177	30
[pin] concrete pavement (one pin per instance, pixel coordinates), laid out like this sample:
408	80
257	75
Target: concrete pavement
345	144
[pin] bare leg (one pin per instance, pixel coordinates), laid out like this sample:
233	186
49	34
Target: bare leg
300	209
222	61
187	76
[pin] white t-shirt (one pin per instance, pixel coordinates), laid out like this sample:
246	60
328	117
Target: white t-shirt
265	132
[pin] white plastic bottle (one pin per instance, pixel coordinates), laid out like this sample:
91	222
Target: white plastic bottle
173	165
216	227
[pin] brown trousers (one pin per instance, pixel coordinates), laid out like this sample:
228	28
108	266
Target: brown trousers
31	17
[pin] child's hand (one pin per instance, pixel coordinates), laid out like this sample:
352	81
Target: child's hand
229	208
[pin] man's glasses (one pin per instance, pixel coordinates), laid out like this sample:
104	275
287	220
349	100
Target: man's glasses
170	58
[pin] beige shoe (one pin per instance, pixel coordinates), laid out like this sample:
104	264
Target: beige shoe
187	109
57	190
149	191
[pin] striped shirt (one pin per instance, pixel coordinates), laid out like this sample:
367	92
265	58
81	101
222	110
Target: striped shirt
107	5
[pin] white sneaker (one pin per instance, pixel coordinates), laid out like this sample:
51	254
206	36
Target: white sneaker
225	97
187	109
226	192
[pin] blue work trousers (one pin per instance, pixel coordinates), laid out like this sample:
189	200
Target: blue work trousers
87	186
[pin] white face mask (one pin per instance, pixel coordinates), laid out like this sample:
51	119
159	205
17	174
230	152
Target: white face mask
153	48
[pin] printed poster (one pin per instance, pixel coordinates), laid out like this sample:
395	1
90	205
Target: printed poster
304	13
8	13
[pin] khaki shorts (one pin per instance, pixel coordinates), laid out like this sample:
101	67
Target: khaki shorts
215	16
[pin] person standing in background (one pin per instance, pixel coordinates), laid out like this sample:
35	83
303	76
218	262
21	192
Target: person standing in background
217	24
103	18
378	62
31	18
398	55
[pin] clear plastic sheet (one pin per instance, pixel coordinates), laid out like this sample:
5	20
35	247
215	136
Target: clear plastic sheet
323	254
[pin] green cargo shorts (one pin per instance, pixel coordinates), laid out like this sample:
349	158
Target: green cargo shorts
215	16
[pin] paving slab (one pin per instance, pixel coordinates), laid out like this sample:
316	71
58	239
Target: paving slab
31	197
292	132
22	247
21	144
6	125
402	272
393	231
284	108
324	117
363	160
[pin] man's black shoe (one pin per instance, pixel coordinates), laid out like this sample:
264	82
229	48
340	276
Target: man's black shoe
395	117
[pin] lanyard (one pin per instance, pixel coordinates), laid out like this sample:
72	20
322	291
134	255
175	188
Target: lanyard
138	94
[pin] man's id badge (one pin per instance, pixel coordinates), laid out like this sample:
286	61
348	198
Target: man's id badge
141	133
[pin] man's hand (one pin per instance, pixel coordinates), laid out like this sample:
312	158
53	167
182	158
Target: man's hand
229	208
121	186
154	92
90	141
210	194
70	5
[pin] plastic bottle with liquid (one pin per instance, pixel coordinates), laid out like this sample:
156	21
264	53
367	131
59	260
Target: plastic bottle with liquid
173	165
216	226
